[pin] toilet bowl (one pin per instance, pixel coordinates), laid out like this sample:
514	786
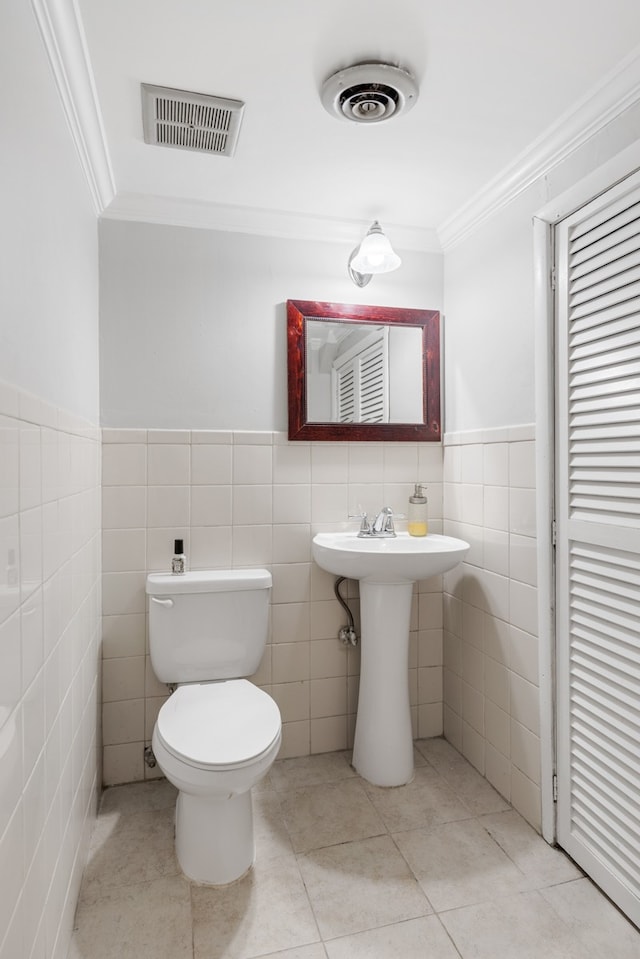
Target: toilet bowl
214	738
215	773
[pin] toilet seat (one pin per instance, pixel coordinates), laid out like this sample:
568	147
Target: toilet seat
219	725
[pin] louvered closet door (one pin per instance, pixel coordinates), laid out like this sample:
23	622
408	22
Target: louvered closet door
598	540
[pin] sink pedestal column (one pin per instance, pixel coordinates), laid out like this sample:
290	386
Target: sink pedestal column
383	745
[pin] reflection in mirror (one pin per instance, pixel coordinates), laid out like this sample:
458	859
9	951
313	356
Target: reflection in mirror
362	372
358	373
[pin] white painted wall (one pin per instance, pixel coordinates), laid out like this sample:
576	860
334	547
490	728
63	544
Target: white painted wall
193	322
489	283
48	232
488	346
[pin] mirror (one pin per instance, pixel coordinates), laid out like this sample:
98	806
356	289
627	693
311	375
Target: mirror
363	372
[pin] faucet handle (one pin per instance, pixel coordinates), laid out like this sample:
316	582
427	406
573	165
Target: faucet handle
365	525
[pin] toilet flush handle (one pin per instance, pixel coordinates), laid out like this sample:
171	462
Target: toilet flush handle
162	602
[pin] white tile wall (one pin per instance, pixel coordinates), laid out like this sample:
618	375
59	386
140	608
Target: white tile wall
49	668
254	499
491	695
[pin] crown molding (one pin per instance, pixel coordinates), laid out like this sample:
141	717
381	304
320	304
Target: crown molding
172	211
618	91
63	36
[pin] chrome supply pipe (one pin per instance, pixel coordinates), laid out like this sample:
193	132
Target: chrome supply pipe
347	634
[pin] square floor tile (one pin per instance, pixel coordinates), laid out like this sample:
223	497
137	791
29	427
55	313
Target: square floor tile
129	849
522	926
270	832
458	864
138	797
148	920
423	802
265	911
330	813
472	789
594	919
387	890
287	774
541	863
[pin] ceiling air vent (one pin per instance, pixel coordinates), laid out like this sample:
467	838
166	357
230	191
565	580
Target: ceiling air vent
369	92
190	121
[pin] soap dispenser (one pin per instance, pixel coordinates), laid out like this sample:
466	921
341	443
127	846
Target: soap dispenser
418	524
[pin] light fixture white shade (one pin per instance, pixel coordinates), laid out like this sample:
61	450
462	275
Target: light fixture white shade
375	254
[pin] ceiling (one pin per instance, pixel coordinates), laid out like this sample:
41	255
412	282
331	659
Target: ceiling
494	77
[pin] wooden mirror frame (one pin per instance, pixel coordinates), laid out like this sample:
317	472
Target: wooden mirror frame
299	311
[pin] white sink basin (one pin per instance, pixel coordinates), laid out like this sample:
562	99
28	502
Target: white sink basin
401	559
387	570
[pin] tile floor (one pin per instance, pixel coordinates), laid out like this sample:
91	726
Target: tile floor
440	869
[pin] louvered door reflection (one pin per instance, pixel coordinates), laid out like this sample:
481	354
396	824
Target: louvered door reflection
360	382
598	540
373	367
346	393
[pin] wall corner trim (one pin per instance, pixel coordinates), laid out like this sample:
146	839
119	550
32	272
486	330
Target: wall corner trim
64	40
618	90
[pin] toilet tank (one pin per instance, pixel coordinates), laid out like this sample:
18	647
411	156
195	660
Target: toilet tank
208	624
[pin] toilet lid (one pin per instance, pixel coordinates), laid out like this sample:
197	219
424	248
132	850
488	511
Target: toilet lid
222	723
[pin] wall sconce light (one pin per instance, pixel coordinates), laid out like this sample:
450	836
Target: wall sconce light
374	255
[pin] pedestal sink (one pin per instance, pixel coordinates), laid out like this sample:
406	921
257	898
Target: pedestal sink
387	569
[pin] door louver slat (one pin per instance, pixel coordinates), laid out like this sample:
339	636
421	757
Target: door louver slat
612	356
606	300
606	345
597	228
618	798
588	735
599	317
596	828
608	250
605	329
606	399
605	281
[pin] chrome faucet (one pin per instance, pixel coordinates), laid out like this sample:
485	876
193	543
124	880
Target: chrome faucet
382	525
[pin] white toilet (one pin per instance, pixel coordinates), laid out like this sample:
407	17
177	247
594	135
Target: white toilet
217	734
